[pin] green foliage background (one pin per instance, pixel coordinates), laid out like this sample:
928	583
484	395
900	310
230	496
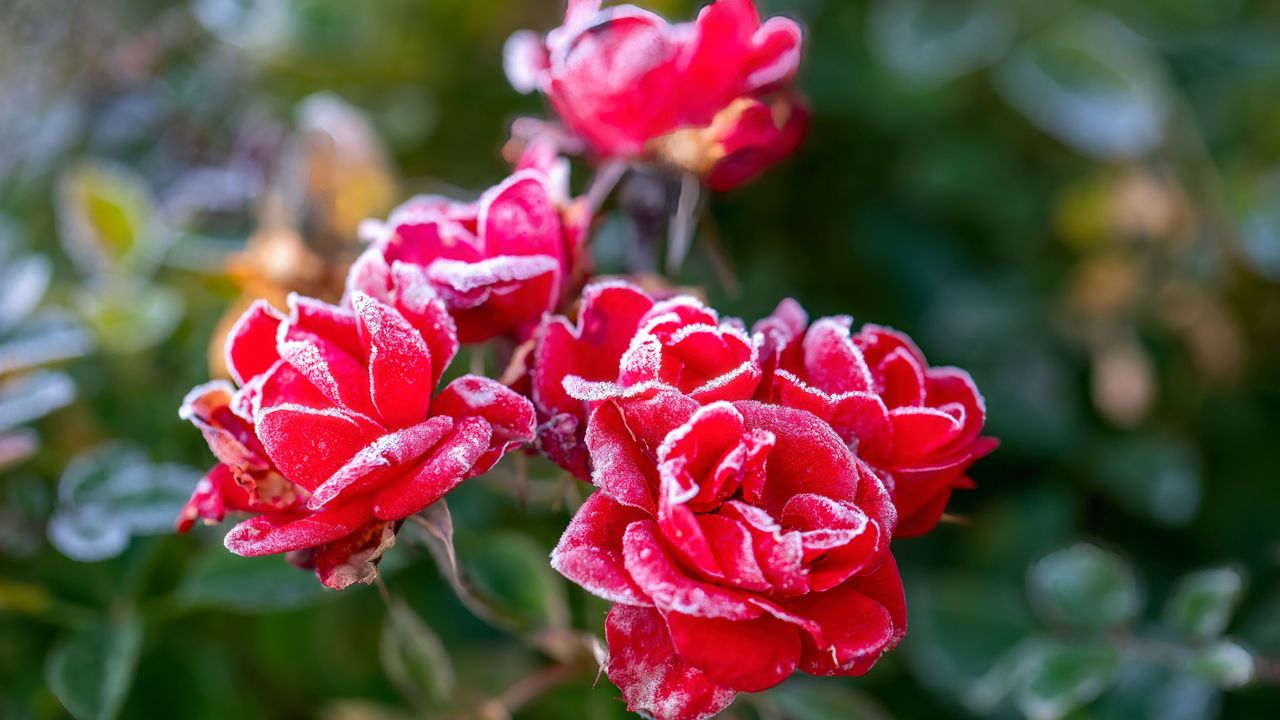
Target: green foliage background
1070	267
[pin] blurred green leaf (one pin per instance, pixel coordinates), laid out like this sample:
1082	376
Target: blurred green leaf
90	672
1201	604
112	493
805	699
933	42
1092	83
1084	586
1225	663
107	220
512	573
414	659
1155	475
961	624
1056	677
131	318
249	585
23	282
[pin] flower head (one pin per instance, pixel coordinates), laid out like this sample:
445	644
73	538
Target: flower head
710	96
918	426
741	542
497	263
333	436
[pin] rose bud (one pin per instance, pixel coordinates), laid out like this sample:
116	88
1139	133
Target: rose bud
335	410
711	97
741	542
918	426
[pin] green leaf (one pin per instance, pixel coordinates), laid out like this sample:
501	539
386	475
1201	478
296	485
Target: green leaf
129	318
961	624
1084	586
90	672
248	585
107	220
805	699
1226	664
1053	677
414	659
934	42
1201	605
1093	84
512	573
112	493
1156	475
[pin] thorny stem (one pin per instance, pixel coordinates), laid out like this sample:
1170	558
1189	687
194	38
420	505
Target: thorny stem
680	232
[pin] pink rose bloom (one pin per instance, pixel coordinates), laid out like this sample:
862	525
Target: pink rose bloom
711	96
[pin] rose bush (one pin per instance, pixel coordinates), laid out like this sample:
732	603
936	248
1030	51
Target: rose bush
918	426
333	436
712	97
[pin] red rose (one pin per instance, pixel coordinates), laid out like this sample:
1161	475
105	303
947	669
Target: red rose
498	263
623	336
336	405
741	541
918	426
709	96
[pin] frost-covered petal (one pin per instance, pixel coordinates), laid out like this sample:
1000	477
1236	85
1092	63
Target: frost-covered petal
747	655
399	375
508	413
385	456
251	344
307	444
286	531
590	551
354	558
654	572
451	463
653	679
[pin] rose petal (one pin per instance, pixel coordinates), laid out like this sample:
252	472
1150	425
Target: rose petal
668	587
450	464
399	376
251	344
391	453
509	414
653	680
294	530
590	552
748	656
354	558
308	445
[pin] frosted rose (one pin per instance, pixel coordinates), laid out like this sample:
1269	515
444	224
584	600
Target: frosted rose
918	426
741	542
624	336
335	418
498	263
710	96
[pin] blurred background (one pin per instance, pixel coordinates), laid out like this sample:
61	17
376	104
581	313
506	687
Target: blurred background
1077	201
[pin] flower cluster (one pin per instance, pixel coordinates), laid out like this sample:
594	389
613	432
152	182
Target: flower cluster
748	486
749	482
